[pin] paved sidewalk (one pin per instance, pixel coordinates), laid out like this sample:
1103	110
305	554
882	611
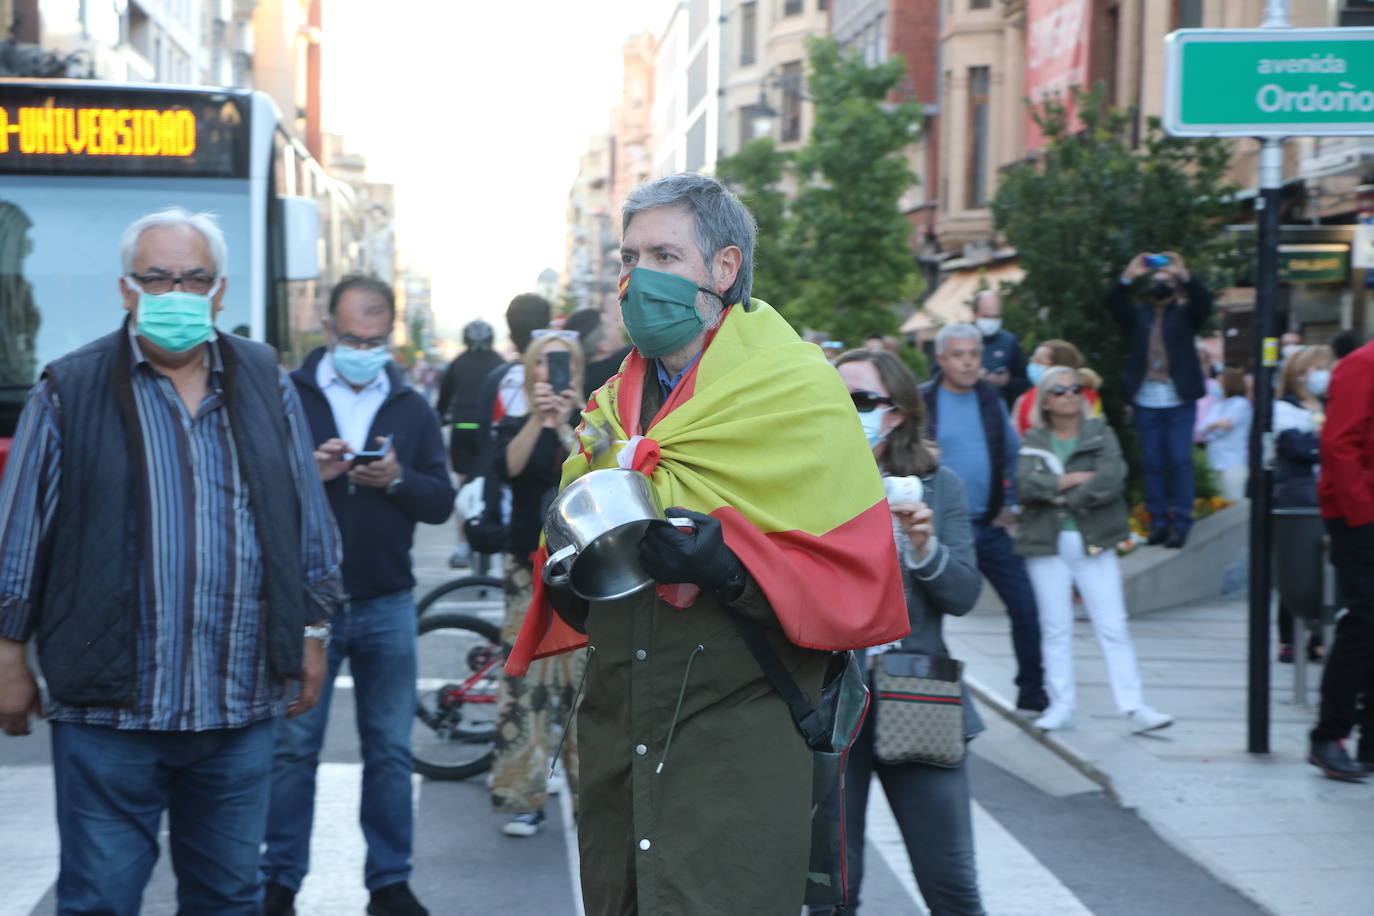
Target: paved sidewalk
1269	825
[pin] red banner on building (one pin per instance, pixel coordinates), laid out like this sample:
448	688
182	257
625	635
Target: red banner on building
1056	54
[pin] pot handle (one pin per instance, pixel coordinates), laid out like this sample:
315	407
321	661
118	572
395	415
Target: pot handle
557	566
682	523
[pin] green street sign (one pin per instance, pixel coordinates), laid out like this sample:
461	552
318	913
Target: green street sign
1314	263
1269	82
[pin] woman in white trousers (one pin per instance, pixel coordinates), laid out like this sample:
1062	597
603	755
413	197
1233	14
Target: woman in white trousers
1070	477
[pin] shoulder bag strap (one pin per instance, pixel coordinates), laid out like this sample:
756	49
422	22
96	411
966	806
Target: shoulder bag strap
806	716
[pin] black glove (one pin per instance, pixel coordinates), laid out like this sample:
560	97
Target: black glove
701	557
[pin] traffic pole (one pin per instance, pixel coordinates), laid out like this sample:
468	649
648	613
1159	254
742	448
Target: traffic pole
1265	355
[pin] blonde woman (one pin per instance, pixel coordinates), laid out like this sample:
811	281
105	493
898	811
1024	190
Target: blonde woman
530	450
1070	477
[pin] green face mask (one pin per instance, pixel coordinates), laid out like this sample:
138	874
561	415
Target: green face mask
175	321
660	310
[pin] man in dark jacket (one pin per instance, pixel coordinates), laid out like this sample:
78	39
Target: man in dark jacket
458	395
1163	381
977	442
357	399
1004	365
166	543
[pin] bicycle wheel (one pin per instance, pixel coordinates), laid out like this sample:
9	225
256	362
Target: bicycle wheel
482	595
460	659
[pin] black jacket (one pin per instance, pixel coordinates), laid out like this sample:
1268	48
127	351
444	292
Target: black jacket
1182	322
994	419
377	528
87	622
1002	350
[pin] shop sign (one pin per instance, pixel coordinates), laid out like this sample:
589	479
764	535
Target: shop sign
1314	263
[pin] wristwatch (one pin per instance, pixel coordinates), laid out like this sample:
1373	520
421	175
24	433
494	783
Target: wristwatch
320	632
395	482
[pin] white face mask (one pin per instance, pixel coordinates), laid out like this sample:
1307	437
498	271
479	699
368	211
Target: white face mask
872	423
1318	380
988	326
1289	349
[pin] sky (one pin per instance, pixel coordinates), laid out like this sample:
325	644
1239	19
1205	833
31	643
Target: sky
478	113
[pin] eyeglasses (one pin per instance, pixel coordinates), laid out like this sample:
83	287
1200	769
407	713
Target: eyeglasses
198	283
364	343
1061	390
560	333
865	401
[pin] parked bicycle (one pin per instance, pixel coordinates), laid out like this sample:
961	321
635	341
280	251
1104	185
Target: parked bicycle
459	658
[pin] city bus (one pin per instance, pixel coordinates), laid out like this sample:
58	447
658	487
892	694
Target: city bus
80	160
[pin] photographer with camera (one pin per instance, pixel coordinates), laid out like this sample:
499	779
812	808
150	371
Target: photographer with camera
1163	381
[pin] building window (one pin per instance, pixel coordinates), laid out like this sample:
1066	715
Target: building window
980	4
696	78
746	125
748	33
1188	14
976	178
791	7
791	101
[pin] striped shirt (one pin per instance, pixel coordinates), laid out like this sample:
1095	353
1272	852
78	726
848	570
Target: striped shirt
201	641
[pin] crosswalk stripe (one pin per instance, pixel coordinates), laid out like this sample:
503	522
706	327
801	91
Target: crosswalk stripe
1011	880
28	837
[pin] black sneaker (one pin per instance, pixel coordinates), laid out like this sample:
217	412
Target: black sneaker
1176	539
1033	702
278	900
1331	758
1157	536
395	900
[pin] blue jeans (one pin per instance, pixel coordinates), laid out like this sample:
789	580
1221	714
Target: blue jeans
377	636
1166	449
1007	573
112	788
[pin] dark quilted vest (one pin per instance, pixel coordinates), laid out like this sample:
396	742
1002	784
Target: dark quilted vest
88	610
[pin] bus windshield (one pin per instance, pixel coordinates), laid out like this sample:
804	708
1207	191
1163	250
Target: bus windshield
60	262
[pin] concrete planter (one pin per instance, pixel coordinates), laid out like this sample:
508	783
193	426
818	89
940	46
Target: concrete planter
1156	577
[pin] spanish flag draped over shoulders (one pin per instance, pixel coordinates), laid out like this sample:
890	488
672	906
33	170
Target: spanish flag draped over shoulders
760	434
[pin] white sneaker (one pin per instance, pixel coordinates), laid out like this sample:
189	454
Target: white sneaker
1055	718
1146	719
524	824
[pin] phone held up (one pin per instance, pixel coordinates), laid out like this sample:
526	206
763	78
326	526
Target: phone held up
560	370
1156	261
367	456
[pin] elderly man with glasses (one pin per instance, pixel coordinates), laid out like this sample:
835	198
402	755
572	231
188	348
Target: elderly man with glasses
165	541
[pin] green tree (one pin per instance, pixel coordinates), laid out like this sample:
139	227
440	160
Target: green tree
853	258
1077	214
755	173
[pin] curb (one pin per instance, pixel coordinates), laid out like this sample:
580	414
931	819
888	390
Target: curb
1007	710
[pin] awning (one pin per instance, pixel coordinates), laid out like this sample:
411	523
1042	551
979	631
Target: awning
950	302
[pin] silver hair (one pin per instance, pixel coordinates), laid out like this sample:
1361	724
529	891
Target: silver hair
719	220
960	331
204	223
1042	388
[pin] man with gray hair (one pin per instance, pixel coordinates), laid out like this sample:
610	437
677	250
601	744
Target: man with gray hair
696	784
977	442
165	541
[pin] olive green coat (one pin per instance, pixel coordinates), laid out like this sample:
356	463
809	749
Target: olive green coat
724	827
1097	506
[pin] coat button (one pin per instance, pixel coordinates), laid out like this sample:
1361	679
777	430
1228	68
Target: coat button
640	655
641	750
644	844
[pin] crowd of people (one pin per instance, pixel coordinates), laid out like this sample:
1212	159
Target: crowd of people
839	508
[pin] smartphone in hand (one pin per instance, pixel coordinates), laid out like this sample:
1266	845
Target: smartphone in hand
560	370
367	456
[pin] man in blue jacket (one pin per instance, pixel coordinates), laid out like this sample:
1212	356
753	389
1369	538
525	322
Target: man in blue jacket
356	400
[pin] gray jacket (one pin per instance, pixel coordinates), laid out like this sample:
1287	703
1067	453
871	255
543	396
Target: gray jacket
948	582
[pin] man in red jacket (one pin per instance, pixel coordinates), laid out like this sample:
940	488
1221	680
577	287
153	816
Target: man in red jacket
1346	493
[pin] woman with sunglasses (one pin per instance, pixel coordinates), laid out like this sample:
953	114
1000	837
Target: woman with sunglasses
1070	479
935	542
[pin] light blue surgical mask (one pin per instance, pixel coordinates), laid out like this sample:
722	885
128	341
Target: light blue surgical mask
176	321
1034	371
1318	381
358	367
872	422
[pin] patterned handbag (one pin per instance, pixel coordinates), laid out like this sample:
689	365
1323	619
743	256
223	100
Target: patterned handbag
920	714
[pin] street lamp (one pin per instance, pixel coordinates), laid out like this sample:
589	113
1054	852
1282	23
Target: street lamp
761	116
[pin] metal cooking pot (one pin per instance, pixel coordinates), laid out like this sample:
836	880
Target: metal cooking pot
593	530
